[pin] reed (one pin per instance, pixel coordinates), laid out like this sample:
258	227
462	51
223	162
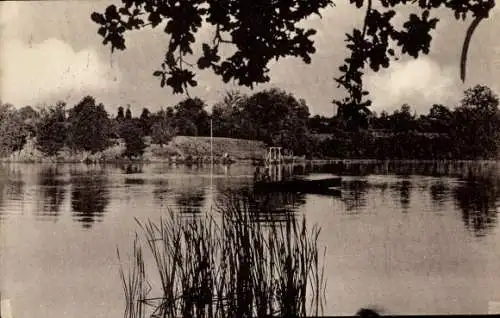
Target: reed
223	264
134	283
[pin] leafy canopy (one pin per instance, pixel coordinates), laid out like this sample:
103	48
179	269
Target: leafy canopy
89	126
52	129
259	31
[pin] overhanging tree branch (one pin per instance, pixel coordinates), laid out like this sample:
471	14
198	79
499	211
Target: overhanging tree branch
465	47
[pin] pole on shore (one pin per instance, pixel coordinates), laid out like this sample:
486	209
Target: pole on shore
211	165
211	144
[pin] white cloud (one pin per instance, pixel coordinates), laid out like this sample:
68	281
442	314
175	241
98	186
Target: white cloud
9	11
420	83
51	69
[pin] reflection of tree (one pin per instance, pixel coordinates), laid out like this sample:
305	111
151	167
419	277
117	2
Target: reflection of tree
477	202
11	188
262	207
14	186
439	193
89	198
160	191
404	194
354	194
190	200
131	168
405	169
402	190
52	193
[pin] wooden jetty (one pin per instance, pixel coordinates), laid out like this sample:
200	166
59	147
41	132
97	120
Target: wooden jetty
276	178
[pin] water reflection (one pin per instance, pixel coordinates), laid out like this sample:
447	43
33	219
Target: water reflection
406	168
160	190
52	193
369	249
354	195
131	168
14	185
274	207
190	201
134	181
191	190
404	194
89	196
477	201
439	193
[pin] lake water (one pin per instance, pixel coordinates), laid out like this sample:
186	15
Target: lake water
410	238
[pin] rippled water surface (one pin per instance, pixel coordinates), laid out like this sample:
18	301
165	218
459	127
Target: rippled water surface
411	238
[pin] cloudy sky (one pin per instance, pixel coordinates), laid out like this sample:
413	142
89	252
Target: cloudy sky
49	50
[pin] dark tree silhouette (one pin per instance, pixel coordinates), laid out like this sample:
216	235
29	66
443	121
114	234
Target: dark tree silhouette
120	115
52	130
476	126
260	31
133	136
191	118
226	115
89	126
402	120
440	119
146	121
128	113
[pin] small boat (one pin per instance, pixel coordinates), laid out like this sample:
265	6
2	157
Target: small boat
320	186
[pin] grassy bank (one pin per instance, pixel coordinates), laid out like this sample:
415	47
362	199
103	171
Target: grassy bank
181	149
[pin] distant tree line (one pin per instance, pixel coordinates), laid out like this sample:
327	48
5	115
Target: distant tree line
469	131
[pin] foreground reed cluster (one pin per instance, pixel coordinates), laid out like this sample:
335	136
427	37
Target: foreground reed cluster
224	264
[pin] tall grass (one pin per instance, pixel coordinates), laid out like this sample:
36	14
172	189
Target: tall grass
134	283
225	265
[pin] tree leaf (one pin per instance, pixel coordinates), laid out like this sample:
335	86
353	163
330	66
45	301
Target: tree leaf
102	31
98	18
124	11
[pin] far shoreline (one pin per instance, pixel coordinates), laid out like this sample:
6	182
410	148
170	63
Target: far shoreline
198	151
47	160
